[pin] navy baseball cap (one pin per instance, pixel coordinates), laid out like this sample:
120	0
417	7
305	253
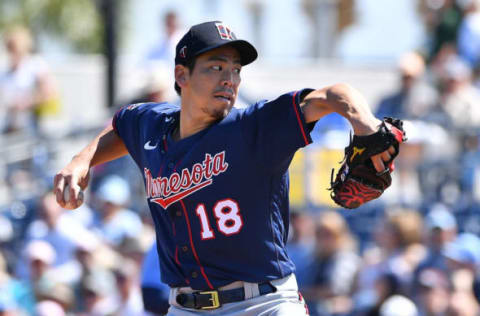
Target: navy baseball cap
206	36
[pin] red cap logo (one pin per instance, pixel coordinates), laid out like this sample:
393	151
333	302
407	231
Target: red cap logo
225	32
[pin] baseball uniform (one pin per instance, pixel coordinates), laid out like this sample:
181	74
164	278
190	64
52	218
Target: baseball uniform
219	198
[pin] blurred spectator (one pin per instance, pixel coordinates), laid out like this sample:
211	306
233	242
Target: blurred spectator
14	294
459	97
390	299
61	231
301	246
129	301
442	19
165	49
468	42
398	251
154	292
125	167
99	292
91	256
463	252
58	293
463	256
27	90
435	68
462	301
115	222
133	248
414	97
41	256
440	229
335	267
433	293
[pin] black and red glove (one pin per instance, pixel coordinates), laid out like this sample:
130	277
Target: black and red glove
357	181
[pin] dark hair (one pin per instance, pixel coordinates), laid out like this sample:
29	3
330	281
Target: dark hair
392	283
190	65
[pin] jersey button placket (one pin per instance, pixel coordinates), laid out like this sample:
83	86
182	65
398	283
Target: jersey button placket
194	274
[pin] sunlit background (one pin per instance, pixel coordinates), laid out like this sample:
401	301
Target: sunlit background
67	65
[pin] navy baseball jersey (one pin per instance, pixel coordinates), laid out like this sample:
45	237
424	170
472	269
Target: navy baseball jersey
218	198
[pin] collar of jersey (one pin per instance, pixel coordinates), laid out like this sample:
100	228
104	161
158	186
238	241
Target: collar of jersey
192	138
185	142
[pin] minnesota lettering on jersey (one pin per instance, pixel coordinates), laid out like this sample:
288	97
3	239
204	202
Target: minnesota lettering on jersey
167	190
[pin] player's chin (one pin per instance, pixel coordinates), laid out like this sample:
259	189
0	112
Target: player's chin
224	102
222	107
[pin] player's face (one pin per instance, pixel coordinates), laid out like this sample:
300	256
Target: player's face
213	83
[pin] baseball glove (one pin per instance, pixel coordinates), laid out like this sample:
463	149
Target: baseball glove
357	181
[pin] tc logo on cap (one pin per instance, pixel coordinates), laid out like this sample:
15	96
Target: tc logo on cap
182	52
225	32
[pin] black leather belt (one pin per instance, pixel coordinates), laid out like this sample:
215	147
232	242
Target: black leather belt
214	299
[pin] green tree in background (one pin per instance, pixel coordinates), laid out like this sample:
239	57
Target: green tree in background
75	22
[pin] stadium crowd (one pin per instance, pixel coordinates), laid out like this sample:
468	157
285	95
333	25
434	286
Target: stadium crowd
415	251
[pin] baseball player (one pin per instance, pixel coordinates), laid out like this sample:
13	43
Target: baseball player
216	177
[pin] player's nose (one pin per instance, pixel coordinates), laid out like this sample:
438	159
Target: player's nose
227	78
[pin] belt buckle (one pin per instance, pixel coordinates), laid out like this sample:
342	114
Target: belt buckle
214	299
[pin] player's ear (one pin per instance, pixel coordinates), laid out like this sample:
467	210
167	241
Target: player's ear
181	75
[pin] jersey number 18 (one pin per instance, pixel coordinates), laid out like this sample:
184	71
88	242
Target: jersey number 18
227	213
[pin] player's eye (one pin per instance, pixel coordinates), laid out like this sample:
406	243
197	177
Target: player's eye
237	70
217	68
